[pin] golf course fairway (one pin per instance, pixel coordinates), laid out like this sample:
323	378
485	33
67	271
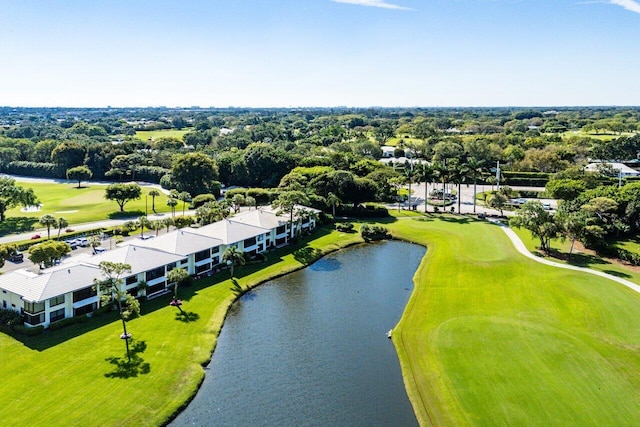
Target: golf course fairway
492	338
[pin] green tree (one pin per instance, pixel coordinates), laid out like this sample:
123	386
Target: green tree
233	256
122	193
110	289
195	173
572	224
46	253
48	221
177	277
474	168
287	201
184	197
94	242
68	154
62	223
333	201
538	221
12	195
237	202
426	173
172	203
498	201
79	173
143	222
250	201
154	193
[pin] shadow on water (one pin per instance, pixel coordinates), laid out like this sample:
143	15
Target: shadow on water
124	368
325	264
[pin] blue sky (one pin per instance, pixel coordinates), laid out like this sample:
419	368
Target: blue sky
282	53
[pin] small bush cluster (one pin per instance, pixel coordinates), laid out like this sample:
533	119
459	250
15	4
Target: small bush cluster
344	227
10	317
359	211
28	331
373	232
66	322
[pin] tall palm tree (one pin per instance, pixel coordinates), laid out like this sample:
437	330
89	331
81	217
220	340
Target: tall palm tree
333	201
233	256
172	203
143	222
475	169
426	174
442	172
410	175
154	194
62	223
48	220
184	197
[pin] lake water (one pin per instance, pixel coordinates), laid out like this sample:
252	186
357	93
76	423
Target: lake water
311	349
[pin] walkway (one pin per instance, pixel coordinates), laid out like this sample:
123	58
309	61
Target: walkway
520	247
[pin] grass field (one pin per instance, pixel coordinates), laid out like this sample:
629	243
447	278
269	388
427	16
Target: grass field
488	338
145	135
85	204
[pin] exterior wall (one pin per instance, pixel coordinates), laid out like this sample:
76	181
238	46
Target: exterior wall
14	301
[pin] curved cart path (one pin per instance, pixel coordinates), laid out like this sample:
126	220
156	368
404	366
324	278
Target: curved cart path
520	247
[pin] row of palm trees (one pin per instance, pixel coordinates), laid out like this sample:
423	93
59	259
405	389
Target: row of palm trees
444	172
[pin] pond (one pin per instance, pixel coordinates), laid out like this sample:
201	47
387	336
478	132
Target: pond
310	348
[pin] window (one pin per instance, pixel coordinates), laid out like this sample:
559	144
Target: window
202	268
249	242
56	315
84	294
281	229
261	238
4	304
131	280
171	266
202	255
184	261
34	319
155	273
56	301
33	307
215	250
85	309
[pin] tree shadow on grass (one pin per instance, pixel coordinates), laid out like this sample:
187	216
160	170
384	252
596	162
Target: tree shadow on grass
123	368
17	224
187	316
617	273
126	215
236	288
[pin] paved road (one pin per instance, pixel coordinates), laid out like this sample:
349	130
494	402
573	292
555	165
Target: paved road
520	247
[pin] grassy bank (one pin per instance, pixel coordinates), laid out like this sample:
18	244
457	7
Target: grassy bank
77	375
490	337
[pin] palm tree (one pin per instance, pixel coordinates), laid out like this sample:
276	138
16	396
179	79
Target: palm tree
48	220
287	201
442	172
475	169
154	194
110	289
143	222
409	174
177	276
232	255
426	174
184	197
172	203
62	223
167	222
333	201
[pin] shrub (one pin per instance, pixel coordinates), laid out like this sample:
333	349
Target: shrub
10	317
345	227
28	331
66	322
201	199
373	232
262	196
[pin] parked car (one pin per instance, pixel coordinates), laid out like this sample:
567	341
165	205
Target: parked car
100	250
73	243
35	236
17	257
82	241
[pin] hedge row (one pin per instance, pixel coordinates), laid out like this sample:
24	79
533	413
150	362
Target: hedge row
36	169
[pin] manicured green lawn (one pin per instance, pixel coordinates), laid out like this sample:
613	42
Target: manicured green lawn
490	337
62	378
145	135
581	259
85	204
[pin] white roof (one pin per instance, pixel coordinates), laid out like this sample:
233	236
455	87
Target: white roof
139	258
261	218
230	231
620	167
51	283
181	242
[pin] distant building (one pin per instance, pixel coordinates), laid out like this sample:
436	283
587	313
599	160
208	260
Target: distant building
620	169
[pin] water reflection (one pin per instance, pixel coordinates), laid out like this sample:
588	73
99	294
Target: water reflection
310	348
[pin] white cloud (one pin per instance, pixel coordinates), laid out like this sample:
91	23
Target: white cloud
631	5
373	3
